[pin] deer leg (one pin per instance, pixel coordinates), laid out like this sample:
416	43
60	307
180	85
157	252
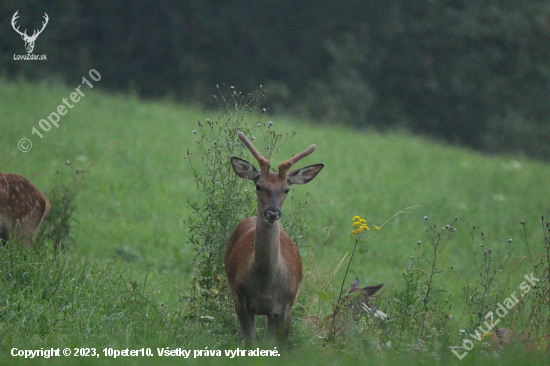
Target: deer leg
246	319
278	327
4	234
287	321
24	231
272	326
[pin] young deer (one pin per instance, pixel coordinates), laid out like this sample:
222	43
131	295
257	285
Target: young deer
22	209
351	305
262	263
363	302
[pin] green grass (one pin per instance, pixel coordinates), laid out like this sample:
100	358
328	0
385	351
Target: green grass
133	202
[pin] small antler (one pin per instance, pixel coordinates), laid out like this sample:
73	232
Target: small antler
264	163
285	166
24	34
13	21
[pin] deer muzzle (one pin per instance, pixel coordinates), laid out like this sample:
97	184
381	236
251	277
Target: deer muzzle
272	214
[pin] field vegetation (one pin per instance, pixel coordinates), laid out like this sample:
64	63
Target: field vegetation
128	258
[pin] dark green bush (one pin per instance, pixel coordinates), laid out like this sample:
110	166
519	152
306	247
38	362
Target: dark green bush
464	70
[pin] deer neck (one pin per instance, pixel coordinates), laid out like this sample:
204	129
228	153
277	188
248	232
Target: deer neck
267	256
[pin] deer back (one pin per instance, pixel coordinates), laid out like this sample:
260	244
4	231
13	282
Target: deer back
22	208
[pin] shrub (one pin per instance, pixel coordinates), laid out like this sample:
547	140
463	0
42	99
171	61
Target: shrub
56	226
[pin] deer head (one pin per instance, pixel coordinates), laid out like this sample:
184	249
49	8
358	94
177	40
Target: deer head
272	188
363	302
29	40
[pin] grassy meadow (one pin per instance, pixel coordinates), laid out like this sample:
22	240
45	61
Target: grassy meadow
126	276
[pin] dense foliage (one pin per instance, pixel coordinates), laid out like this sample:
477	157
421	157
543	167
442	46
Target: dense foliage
469	71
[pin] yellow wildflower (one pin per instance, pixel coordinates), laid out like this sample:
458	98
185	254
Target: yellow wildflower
360	224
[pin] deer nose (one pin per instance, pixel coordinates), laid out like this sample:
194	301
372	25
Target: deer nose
272	214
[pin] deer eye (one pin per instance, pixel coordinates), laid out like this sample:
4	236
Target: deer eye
257	187
287	190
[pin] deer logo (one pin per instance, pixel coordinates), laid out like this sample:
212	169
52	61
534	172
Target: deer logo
29	40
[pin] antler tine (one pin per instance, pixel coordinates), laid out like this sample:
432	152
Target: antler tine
14	18
264	163
46	19
285	166
13	23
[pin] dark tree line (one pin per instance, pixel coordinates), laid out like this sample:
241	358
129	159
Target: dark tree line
475	72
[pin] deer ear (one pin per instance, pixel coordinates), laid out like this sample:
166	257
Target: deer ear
371	290
304	175
244	169
354	287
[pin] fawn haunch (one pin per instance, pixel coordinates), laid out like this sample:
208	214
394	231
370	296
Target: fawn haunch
22	209
262	263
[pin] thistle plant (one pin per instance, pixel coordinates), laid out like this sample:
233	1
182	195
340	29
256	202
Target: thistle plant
537	304
483	294
419	308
